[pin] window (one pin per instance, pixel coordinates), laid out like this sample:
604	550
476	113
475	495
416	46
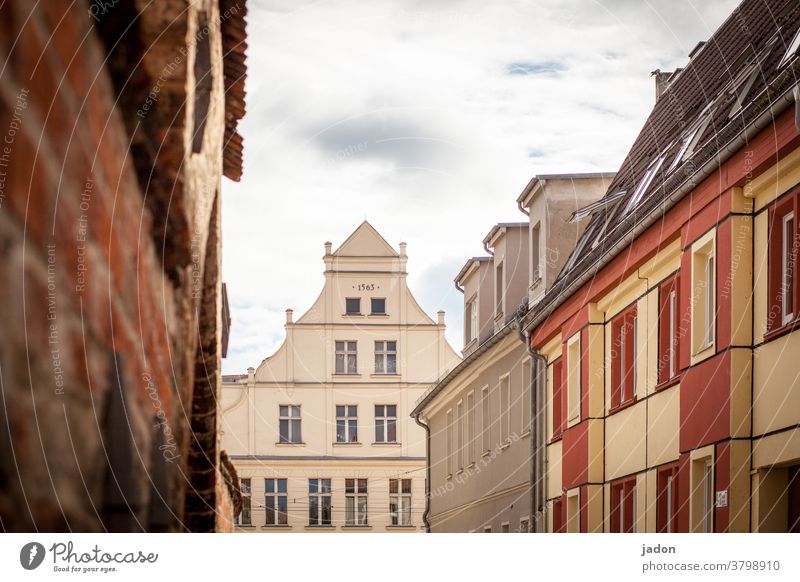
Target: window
450	447
319	502
203	82
574	511
276	501
499	288
352	306
347	424
623	357
290	424
385	423
470	428
641	189
524	525
623	506
245	517
667	503
692	138
486	427
505	408
386	357
471	321
791	51
504	527
378	306
487	529
574	379
783	249
355	501
708	496
703	304
536	270
558	398
460	434
525	402
346	358
400	501
668	323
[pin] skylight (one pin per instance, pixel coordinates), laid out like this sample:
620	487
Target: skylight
691	140
792	50
644	184
592	208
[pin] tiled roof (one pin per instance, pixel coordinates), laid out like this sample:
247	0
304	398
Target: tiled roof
728	83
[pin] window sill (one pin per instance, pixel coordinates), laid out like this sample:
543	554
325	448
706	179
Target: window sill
527	433
504	446
338	374
391	444
279	444
471	465
237	526
402	527
460	471
378	315
356	444
556	438
352	315
668	383
271	527
782	330
623	406
320	527
356	527
380	375
449	477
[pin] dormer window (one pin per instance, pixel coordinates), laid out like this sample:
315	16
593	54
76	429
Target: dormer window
499	288
352	306
378	306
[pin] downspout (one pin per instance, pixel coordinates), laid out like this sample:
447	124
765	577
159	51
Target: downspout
425	513
537	431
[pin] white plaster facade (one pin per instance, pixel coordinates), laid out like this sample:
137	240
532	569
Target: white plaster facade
303	373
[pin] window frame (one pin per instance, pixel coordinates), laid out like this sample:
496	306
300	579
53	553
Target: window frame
400	503
355	515
504	387
347	310
486	420
385	356
623	358
499	289
386	420
323	497
276	501
574	379
291	421
667	499
558	409
781	291
470	427
623	505
349	423
349	353
372	301
247	504
704	301
460	419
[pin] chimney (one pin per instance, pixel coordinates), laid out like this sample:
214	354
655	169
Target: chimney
440	313
328	246
402	249
289	313
662	81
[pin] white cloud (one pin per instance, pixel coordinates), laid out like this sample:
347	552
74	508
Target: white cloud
428	119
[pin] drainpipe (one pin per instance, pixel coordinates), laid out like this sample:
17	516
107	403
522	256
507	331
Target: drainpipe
537	430
425	513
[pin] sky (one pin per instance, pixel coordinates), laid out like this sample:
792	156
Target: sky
427	118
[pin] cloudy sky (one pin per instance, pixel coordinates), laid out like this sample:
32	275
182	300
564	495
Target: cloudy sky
426	118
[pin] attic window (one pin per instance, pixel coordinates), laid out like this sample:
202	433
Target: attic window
644	184
791	52
594	207
691	140
742	94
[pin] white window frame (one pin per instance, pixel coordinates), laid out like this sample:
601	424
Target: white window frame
321	497
247	502
640	190
471	427
384	420
349	433
574	380
709	301
486	419
787	240
791	52
385	357
276	495
673	299
400	507
708	496
703	300
294	423
474	319
348	350
354	515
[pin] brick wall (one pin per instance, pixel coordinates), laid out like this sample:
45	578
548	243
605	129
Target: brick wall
109	265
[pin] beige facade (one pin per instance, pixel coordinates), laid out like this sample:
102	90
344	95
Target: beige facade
479	416
321	428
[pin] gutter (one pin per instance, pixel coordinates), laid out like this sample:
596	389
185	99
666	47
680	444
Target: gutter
689	184
426	513
538	431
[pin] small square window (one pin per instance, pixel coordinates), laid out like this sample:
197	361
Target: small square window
378	306
353	306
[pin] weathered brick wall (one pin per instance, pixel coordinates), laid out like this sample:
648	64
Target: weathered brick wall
106	221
